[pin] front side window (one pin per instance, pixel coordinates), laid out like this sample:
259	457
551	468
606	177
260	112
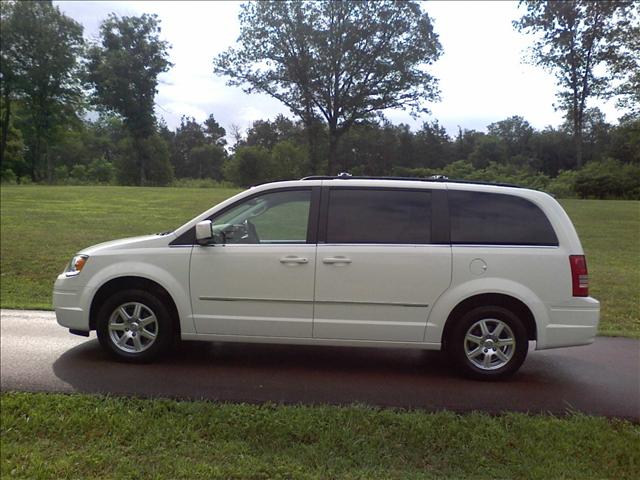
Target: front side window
480	218
278	217
379	216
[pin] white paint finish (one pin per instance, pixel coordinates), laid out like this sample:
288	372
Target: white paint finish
572	323
544	271
478	267
247	290
385	293
151	258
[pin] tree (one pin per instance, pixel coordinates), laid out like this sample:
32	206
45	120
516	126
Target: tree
214	132
488	149
552	151
466	142
337	61
188	136
515	132
582	42
288	161
269	132
123	70
41	48
206	161
625	141
248	166
434	145
198	150
154	150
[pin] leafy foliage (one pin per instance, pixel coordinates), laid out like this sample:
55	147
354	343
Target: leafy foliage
197	151
587	45
340	61
41	49
123	70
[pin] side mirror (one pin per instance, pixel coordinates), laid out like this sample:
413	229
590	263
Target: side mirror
204	232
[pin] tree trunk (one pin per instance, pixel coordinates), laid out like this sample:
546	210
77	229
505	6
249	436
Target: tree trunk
333	149
6	117
35	159
578	141
48	163
577	137
142	179
313	148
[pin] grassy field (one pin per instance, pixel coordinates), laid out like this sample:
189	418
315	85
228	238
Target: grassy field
42	227
82	436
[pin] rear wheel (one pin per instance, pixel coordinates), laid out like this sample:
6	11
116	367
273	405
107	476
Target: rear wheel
488	343
135	326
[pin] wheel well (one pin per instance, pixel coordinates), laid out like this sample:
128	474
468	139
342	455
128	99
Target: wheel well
513	304
126	283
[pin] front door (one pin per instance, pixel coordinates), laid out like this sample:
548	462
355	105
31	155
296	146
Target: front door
380	271
258	279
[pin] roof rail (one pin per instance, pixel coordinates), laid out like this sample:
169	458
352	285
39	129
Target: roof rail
432	178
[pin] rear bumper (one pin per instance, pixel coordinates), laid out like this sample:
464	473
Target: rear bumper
69	304
574	323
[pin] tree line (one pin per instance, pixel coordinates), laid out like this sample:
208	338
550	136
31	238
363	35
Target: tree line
74	111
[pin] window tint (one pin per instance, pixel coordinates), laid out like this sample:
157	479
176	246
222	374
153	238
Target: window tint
278	217
497	219
379	216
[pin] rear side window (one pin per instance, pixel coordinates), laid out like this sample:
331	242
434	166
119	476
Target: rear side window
379	216
497	219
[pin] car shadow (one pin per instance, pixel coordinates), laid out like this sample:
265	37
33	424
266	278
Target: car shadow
291	374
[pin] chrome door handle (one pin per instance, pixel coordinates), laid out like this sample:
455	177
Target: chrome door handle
294	259
332	260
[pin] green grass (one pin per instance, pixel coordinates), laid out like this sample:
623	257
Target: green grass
42	227
610	235
83	436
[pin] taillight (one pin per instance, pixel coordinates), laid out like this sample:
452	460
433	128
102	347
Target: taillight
579	275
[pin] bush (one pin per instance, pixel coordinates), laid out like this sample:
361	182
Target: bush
25	180
496	173
78	174
200	183
7	177
564	185
101	171
608	178
61	174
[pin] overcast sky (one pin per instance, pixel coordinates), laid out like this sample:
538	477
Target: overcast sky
482	77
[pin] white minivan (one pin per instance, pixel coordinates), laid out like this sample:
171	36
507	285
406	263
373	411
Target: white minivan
477	270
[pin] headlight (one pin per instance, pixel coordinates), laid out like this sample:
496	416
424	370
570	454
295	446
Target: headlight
76	265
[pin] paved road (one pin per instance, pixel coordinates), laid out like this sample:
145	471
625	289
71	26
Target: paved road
602	379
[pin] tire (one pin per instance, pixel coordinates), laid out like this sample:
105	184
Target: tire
488	343
135	326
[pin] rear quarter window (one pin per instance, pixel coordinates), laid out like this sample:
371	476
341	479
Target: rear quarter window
480	218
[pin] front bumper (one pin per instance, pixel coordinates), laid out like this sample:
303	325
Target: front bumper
69	303
574	323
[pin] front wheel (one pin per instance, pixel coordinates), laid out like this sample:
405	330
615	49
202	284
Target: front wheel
134	326
488	343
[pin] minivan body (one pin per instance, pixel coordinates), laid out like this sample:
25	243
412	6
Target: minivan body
477	270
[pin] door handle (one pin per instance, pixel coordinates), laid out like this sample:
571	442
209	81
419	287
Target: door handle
294	259
332	260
